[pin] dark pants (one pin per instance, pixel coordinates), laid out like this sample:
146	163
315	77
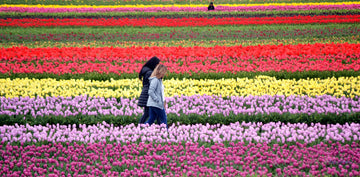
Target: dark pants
156	113
145	116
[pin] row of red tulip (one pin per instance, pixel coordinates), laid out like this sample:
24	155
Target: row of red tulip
291	58
323	63
172	22
142	54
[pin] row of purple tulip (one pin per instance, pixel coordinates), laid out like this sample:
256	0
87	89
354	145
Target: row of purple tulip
196	104
177	9
182	159
274	132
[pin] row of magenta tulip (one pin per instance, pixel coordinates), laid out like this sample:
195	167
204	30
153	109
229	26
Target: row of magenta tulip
33	34
14	13
184	109
189	8
189	159
136	3
177	22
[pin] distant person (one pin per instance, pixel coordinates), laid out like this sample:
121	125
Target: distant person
211	6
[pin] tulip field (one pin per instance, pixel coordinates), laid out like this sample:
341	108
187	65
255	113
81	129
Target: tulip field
254	88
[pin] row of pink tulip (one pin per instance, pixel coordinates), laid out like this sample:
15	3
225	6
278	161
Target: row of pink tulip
201	105
236	132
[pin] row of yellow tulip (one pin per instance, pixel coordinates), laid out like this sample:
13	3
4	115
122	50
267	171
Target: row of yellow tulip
130	88
172	5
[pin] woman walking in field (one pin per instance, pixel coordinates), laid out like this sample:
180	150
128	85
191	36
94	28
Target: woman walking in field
156	101
144	75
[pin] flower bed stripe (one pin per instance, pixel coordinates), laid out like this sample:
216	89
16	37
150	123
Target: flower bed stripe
142	53
179	8
181	106
184	43
194	65
130	88
165	22
189	60
182	159
178	14
204	33
271	133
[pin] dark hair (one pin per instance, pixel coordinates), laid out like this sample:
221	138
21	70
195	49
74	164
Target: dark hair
152	63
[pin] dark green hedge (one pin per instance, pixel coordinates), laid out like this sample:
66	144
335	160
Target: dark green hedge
102	77
185	119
